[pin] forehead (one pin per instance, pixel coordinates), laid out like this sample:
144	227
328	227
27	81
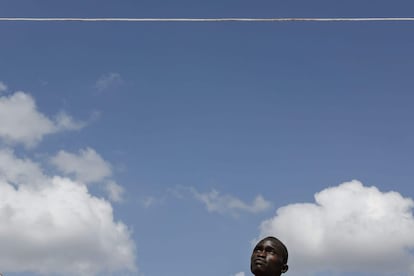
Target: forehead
268	242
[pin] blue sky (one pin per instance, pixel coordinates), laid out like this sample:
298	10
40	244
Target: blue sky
155	148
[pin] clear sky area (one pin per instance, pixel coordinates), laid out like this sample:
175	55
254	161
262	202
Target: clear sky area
169	148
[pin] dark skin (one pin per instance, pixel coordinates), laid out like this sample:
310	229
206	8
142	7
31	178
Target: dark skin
267	259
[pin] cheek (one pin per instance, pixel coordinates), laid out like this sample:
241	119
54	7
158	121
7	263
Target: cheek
273	259
252	257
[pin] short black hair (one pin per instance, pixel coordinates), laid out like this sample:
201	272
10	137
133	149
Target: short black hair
280	245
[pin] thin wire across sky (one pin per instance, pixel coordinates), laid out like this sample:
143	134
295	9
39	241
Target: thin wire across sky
226	19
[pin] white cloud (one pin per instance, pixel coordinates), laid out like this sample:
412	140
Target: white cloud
3	87
57	226
108	80
239	274
19	171
349	228
228	204
20	122
66	122
115	191
51	224
87	166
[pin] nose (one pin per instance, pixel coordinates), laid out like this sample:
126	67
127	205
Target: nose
261	253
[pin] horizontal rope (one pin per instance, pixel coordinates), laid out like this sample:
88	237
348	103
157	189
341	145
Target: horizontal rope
208	19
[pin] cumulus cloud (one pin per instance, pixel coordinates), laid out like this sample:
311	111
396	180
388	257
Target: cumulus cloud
87	166
109	80
57	226
239	274
3	87
19	171
115	191
22	123
228	204
64	121
51	224
349	228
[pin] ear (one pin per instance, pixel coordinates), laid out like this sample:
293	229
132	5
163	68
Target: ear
285	268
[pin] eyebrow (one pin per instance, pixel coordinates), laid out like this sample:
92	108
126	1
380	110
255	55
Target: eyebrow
262	246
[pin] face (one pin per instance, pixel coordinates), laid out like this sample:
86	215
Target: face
267	259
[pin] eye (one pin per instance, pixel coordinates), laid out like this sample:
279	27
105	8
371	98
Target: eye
256	249
271	250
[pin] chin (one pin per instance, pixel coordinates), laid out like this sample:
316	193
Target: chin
257	270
